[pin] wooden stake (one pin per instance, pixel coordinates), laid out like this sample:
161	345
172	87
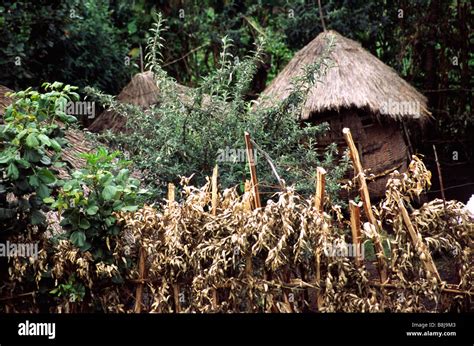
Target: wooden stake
253	171
177	303
171	198
215	172
321	15
215	301
319	298
418	242
214	190
355	229
410	147
171	195
142	278
319	205
141	59
248	203
248	187
440	177
382	265
320	186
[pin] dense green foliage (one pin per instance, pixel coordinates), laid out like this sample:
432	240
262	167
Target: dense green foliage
58	40
31	141
70	41
87	203
186	135
88	200
81	205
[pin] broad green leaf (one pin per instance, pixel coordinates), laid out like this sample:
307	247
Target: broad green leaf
32	155
5	157
109	192
67	187
48	200
86	246
37	217
110	221
92	210
23	163
43	191
12	171
44	139
34	181
129	208
45	160
32	141
78	238
84	224
46	176
55	145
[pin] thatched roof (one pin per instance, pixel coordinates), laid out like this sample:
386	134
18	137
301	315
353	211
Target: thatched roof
141	91
357	79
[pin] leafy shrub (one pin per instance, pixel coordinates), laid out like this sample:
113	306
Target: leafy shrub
185	133
81	249
31	140
87	203
59	41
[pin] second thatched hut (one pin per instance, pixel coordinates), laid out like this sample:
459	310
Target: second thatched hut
360	92
141	91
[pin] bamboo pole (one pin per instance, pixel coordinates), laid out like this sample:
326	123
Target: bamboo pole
440	177
171	194
319	298
171	198
248	202
21	295
177	303
248	256
382	265
320	186
443	289
319	205
299	285
418	243
142	276
253	171
256	199
215	173
355	229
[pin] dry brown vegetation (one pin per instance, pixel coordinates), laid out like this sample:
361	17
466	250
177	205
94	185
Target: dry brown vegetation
214	252
265	260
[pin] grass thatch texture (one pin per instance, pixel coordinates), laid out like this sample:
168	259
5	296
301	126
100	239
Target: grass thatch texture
356	79
142	91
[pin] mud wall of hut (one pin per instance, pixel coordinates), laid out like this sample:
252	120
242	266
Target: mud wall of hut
381	143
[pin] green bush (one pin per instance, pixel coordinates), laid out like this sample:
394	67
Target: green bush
31	140
88	200
184	134
87	204
70	41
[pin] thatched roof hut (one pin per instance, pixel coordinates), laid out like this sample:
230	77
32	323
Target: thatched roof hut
141	91
360	92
